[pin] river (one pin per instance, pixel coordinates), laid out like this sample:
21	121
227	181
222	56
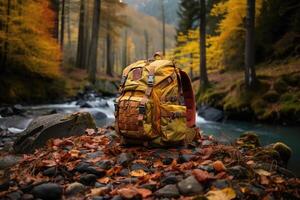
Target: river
225	131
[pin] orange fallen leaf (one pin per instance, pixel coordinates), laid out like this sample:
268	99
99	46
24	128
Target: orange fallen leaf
99	191
103	180
201	175
219	166
138	173
250	162
144	192
158	163
127	193
264	180
74	153
278	179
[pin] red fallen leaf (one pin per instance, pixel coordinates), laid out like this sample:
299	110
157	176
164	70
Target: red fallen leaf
144	192
219	166
60	142
207	152
201	175
128	193
220	175
90	146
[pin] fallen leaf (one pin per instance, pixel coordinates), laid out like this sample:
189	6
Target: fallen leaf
74	153
90	146
144	192
141	161
48	163
250	162
138	173
224	194
220	175
264	180
57	142
90	131
201	175
127	193
219	166
103	180
262	172
158	163
99	191
278	180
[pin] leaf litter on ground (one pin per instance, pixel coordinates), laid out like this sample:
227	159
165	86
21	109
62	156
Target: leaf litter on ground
224	171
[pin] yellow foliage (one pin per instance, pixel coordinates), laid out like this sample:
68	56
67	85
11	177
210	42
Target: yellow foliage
224	50
30	43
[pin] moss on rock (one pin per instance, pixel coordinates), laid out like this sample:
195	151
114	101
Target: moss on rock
284	151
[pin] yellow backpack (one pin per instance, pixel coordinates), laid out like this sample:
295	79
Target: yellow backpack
156	105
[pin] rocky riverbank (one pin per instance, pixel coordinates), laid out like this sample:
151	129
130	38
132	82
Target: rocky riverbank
96	166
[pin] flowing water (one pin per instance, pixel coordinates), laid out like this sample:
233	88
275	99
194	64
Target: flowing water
225	132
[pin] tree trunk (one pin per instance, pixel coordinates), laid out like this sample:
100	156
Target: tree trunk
6	44
125	49
81	35
163	27
250	75
2	40
69	23
146	44
203	73
94	42
62	25
87	34
55	8
109	53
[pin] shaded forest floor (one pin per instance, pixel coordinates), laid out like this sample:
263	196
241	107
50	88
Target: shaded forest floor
96	166
275	98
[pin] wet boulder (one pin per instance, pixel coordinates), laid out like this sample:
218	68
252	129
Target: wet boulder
284	151
249	140
211	114
43	128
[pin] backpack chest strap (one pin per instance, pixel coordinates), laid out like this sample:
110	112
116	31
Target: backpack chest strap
145	99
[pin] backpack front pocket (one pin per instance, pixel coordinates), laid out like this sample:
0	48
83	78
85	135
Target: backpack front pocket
173	123
135	120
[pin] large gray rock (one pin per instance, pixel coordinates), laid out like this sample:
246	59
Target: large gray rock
190	186
46	127
211	114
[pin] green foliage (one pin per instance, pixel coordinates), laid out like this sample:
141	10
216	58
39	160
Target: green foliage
188	14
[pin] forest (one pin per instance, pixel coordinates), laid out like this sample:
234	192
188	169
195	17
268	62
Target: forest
149	99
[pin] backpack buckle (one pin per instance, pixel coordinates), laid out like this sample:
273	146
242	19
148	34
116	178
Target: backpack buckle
116	107
142	109
150	80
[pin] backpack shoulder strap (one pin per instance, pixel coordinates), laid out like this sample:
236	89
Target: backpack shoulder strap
189	98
